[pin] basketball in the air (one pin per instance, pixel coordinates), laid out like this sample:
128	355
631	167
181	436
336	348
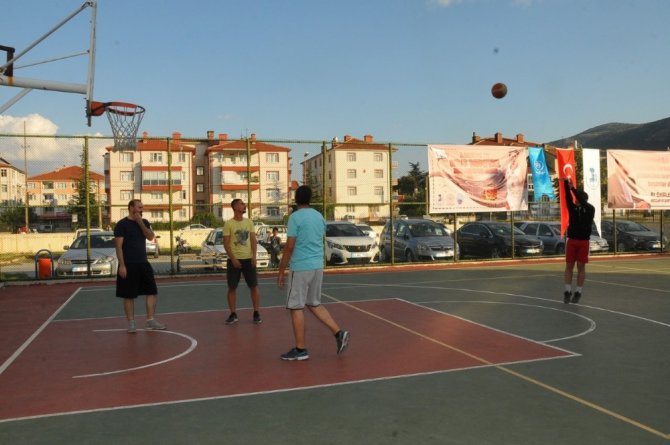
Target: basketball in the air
499	90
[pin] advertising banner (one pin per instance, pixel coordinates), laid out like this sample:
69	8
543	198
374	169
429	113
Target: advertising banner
542	185
638	179
591	182
467	178
566	169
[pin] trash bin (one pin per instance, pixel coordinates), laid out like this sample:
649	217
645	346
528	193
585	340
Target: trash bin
44	268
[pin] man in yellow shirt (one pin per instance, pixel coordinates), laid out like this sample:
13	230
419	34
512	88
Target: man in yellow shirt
239	240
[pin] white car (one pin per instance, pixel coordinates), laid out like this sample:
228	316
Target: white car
212	251
102	260
347	244
369	231
195	227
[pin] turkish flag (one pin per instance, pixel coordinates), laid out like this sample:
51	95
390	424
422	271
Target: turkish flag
566	169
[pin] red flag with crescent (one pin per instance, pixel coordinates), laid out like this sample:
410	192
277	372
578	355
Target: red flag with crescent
566	169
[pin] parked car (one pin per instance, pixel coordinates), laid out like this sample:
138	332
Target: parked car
548	232
212	251
103	258
153	248
347	244
493	239
369	231
79	232
416	239
631	236
195	227
597	243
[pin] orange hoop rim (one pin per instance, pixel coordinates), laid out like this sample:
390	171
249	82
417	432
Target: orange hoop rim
116	107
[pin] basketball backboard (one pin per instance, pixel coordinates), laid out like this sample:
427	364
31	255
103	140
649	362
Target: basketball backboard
9	66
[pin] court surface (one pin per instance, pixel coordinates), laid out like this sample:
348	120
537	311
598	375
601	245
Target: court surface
485	354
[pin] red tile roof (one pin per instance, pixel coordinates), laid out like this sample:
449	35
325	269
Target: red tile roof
66	173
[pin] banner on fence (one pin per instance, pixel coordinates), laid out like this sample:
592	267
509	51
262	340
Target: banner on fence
542	185
466	178
566	169
591	182
638	179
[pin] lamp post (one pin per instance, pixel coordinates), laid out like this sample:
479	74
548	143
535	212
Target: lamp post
304	168
25	176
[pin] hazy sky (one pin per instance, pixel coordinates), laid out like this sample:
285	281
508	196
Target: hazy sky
400	70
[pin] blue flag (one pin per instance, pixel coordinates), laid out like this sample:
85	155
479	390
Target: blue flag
541	182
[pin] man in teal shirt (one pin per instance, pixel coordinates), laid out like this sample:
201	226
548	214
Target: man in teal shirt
304	252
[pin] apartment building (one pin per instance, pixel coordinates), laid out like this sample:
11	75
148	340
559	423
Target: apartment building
12	184
257	172
51	192
160	172
356	178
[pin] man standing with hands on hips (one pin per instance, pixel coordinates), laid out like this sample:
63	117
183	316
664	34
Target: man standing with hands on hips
304	252
135	276
577	245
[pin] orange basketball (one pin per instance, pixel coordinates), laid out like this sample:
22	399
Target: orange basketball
499	90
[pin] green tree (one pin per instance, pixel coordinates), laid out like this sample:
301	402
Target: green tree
413	189
11	218
77	205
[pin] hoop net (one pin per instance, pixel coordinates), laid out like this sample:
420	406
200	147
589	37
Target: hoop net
125	119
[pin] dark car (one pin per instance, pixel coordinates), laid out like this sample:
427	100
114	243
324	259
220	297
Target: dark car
493	239
549	233
416	239
631	236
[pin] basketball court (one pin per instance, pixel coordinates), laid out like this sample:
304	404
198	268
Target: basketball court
452	355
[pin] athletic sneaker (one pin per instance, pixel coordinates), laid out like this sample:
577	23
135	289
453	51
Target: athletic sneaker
576	297
131	327
566	296
153	325
257	318
294	354
232	318
342	339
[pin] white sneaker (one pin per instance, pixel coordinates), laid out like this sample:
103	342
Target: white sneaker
131	327
153	325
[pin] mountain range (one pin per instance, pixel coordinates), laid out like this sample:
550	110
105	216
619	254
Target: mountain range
650	136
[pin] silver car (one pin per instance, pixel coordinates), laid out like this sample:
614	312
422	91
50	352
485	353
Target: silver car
103	261
212	251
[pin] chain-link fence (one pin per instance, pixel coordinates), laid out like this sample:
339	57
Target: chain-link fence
80	186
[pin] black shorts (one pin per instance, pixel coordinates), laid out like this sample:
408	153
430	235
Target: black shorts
139	281
247	269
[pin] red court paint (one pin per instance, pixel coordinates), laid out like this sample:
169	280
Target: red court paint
242	358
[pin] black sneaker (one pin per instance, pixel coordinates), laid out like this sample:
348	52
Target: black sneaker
294	354
342	339
566	296
576	297
257	318
232	318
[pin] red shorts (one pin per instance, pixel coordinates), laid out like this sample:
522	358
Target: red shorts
577	250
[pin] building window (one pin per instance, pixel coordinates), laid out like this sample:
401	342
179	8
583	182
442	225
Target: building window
156	214
182	157
126	156
47	185
351	173
126	195
379	174
3	172
272	176
156	157
351	191
157	178
4	188
379	191
351	157
243	158
199	188
31	185
272	194
156	195
351	209
182	213
200	171
272	158
127	176
183	195
61	185
272	211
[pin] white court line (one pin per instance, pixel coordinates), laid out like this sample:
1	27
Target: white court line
194	344
27	343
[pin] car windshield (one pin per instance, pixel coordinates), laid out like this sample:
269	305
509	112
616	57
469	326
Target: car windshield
504	229
556	228
424	229
97	242
343	230
632	227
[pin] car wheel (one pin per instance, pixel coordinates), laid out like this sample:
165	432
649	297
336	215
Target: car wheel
560	249
178	265
621	247
409	256
495	253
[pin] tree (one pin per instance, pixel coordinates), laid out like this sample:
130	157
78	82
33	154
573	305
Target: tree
413	189
14	217
77	205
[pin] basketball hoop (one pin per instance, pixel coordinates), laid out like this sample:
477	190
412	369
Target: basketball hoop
125	119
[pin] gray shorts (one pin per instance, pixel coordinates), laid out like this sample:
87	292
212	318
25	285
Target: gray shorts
304	288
